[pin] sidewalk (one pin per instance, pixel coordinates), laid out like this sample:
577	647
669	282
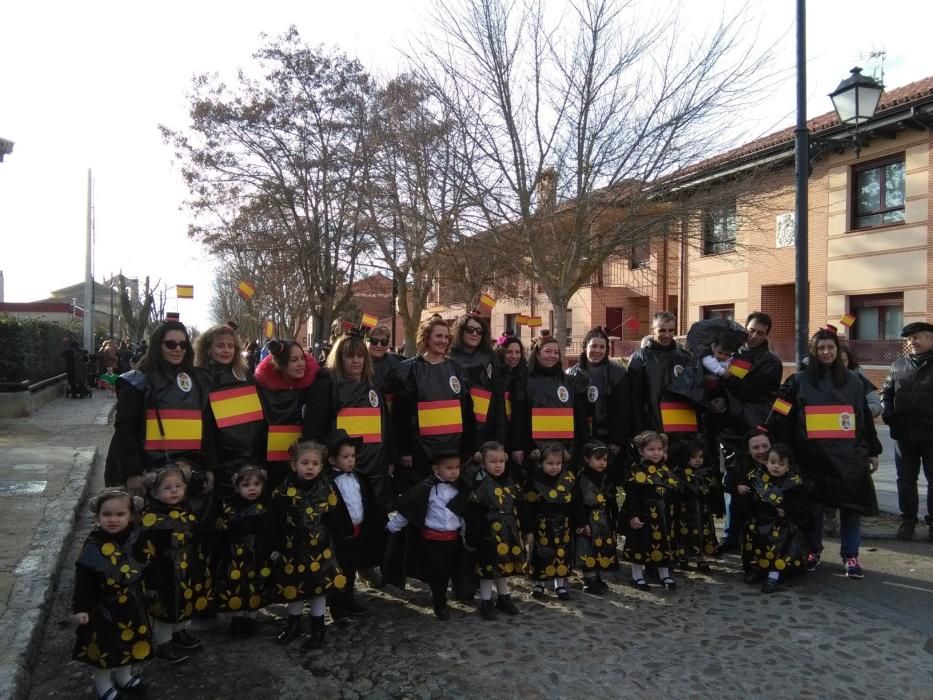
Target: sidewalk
45	462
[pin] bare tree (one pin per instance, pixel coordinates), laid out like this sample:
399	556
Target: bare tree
577	117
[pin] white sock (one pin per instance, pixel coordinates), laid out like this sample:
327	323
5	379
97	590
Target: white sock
162	631
102	680
122	675
774	575
295	607
502	586
558	583
485	589
664	572
638	571
318	606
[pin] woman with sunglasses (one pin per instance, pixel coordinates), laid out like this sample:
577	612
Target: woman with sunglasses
283	377
383	360
472	351
162	416
433	412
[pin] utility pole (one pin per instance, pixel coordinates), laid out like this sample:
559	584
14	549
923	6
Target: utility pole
801	205
88	272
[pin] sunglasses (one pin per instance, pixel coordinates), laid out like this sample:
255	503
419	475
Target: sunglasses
473	330
173	344
379	341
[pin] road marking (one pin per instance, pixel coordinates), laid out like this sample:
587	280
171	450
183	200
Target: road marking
22	488
32	467
904	585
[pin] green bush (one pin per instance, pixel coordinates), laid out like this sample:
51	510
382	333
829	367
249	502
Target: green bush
32	348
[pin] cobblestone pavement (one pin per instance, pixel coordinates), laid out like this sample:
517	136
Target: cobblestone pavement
820	636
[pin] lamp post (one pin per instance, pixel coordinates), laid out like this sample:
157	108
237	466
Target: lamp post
855	101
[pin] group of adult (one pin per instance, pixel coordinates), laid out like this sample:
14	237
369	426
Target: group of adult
200	402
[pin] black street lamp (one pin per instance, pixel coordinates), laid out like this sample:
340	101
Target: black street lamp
855	101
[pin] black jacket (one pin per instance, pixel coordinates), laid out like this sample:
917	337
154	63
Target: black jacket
907	399
750	397
650	373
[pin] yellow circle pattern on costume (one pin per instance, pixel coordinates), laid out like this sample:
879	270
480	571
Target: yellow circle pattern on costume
562	570
265	571
107	549
656	556
149	519
141	650
126	635
235	603
332	499
235	574
502	548
640	477
289	592
314	566
255	601
340	581
779	564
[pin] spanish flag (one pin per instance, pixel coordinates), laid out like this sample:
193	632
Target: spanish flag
521	320
830	422
439	418
534	321
268	329
507	397
487	303
236	406
184	291
280	438
678	417
481	399
847	320
180	430
739	368
552	423
365	423
245	289
368	321
781	406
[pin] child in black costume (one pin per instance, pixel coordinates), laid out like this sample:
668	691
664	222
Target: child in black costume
493	530
548	498
694	529
304	521
595	512
243	571
435	508
113	627
363	543
775	537
649	512
177	578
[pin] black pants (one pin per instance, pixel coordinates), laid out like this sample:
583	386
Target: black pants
348	556
442	561
908	458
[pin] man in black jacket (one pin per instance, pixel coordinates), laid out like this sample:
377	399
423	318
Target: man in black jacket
907	406
752	386
652	369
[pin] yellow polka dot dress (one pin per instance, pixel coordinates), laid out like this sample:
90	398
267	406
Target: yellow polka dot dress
243	574
775	541
547	509
694	528
492	527
650	495
594	506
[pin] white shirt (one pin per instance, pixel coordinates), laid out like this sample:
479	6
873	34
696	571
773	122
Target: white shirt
714	366
349	487
437	516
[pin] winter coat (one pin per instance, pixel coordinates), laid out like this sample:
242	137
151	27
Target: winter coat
907	399
651	371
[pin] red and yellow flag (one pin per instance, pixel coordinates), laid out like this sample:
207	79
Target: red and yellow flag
181	430
439	417
739	368
521	319
236	406
245	289
781	406
481	399
184	291
847	320
507	397
268	329
365	423
678	417
830	422
552	423
487	303
280	438
534	321
368	321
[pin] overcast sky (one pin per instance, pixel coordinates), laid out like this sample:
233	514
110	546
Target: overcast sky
84	85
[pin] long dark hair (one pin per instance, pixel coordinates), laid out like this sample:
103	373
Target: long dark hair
597	332
837	370
281	350
152	362
485	341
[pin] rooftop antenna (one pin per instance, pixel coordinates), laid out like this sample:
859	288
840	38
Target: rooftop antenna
874	59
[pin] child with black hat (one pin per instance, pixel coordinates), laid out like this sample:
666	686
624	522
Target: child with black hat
594	512
361	547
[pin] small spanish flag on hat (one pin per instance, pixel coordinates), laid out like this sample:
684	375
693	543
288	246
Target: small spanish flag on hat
368	321
781	406
847	320
245	289
487	303
184	291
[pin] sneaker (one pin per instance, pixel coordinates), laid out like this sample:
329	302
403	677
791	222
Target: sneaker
562	593
537	591
853	568
906	530
813	561
171	652
769	586
186	640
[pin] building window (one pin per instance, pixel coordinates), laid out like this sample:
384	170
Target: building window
878	193
726	311
877	316
511	326
719	227
640	255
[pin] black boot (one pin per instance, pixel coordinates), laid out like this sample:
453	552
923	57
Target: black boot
487	610
505	604
292	629
316	638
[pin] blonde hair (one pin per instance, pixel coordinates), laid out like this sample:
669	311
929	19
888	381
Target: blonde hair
425	330
203	343
647	437
299	447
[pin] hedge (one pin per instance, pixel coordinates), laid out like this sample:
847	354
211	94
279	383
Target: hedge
32	348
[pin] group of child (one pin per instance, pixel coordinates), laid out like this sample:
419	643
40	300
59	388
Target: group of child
147	568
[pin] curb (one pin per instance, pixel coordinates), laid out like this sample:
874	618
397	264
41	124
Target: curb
36	578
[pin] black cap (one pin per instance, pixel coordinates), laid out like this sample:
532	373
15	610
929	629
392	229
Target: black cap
916	327
443	452
338	438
